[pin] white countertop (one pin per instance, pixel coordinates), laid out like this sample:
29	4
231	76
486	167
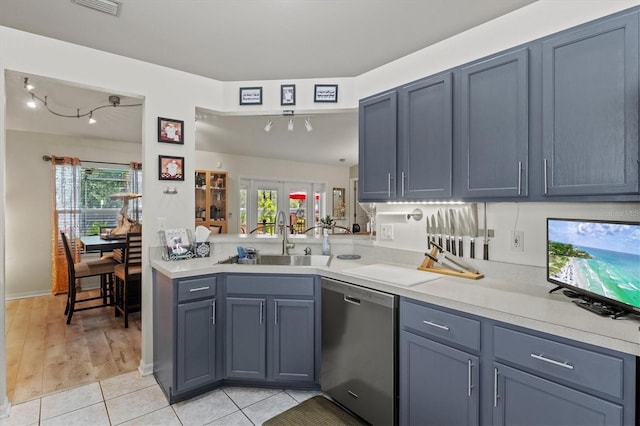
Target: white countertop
525	305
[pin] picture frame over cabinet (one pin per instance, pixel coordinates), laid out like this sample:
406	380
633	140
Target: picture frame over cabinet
211	196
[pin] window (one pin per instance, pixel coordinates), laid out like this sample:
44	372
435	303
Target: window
96	208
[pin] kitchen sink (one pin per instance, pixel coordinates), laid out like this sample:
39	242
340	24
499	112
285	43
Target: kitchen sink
294	259
283	260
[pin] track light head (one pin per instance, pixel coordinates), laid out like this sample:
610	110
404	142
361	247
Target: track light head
32	102
268	126
91	119
28	86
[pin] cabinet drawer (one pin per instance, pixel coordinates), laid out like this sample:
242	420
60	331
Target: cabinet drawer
597	371
434	322
270	285
196	288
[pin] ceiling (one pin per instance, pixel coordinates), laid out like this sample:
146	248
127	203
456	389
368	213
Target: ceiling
232	40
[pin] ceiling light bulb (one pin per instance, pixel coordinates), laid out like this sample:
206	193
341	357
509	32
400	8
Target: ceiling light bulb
268	126
290	125
91	119
31	103
307	124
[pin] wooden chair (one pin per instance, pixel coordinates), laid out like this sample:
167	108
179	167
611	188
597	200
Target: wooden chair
76	270
129	278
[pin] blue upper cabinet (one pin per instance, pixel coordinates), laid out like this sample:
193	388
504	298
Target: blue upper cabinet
492	126
378	147
590	109
425	139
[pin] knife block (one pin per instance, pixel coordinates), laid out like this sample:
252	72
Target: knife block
427	265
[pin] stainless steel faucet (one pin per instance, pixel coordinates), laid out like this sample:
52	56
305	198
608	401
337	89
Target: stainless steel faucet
282	224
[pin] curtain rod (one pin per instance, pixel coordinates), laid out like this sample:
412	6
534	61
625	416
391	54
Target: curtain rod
48	158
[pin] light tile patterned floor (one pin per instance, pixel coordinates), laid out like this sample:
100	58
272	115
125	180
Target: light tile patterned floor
131	399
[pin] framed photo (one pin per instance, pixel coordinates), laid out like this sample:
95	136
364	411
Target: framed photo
287	94
170	168
251	96
325	93
170	131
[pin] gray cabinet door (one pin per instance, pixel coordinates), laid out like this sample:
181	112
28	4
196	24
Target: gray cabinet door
196	337
439	385
493	126
524	399
293	340
590	109
377	147
246	350
425	139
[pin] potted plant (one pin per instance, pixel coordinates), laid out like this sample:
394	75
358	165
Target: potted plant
327	222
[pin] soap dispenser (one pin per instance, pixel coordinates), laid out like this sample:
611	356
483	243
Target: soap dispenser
326	246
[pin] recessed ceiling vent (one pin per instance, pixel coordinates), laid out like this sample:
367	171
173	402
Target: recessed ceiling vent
107	6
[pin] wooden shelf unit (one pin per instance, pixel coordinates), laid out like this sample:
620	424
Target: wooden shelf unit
211	193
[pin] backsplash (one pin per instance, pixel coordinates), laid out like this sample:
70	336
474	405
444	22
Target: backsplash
503	218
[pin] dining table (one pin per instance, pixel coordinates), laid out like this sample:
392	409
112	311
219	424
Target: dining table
97	243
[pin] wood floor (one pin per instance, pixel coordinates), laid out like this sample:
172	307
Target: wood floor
45	355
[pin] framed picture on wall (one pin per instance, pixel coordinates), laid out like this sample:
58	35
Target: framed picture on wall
170	131
287	94
251	96
325	93
170	168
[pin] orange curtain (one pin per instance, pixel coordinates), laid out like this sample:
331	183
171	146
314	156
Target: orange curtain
65	202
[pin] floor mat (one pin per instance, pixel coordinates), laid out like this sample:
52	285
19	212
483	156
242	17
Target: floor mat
316	411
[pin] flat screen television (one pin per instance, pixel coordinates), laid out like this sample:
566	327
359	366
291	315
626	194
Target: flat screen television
597	260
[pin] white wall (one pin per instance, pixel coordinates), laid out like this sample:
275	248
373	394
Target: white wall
33	54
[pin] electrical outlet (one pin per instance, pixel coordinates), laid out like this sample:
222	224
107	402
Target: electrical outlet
517	240
386	232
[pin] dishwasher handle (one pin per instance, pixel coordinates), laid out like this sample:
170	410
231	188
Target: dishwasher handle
350	299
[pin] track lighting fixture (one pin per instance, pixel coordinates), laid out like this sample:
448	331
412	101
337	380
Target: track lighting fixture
290	125
114	101
307	124
268	126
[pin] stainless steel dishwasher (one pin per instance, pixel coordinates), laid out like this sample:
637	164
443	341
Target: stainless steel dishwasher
359	350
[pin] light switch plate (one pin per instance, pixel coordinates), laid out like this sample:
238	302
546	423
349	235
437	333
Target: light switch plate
386	231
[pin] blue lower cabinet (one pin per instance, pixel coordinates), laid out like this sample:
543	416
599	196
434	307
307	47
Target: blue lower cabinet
246	338
272	329
439	385
525	399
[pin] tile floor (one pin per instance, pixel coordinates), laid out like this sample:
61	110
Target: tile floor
131	399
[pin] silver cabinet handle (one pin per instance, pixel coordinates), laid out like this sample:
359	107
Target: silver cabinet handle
546	182
191	290
261	310
469	384
352	300
353	394
388	185
402	184
552	361
495	387
519	177
275	314
433	324
213	312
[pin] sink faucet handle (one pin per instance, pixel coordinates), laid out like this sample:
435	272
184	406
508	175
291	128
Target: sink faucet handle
307	251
